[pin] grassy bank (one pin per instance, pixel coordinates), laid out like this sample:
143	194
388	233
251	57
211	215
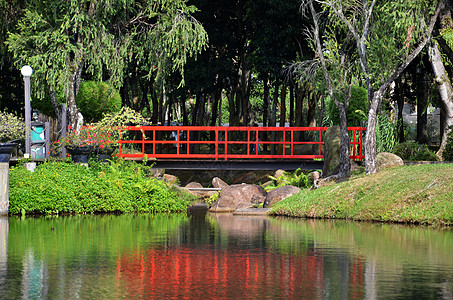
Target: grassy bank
65	187
420	194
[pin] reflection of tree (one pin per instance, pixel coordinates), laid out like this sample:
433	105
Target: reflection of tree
221	256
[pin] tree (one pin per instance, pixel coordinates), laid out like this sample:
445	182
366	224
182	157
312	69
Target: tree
441	75
336	70
100	37
386	42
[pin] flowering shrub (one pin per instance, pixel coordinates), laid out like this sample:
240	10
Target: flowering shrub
103	135
11	128
106	133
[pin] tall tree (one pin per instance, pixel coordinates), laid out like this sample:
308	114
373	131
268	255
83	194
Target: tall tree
386	42
99	37
336	71
444	83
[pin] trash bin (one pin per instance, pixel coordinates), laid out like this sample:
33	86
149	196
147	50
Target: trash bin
37	133
38	151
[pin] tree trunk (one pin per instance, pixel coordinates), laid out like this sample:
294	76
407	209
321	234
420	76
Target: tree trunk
75	118
422	105
445	92
370	136
345	162
291	105
266	101
283	106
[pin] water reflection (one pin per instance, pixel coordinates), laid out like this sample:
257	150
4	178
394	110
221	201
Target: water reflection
220	256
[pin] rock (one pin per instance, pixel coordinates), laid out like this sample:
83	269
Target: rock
194	185
251	212
279	194
331	151
313	176
170	179
388	160
238	196
157	172
218	183
279	173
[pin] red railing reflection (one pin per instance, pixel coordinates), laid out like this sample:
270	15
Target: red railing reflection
211	274
216	142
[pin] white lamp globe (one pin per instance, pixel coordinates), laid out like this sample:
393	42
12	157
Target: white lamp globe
26	71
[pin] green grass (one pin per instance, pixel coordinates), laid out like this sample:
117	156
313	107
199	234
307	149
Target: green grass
420	194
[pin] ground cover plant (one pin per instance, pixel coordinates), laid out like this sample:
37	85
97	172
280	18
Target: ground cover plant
421	194
65	187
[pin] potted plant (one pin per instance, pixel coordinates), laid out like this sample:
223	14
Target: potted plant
12	129
78	143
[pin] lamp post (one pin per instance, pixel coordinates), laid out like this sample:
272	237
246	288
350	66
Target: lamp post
26	72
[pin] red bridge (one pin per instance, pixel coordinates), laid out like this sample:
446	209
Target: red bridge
249	145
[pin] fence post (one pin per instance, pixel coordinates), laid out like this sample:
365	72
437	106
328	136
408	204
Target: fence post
64	125
47	137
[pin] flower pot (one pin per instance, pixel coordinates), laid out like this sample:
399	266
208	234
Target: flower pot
80	154
104	154
5	151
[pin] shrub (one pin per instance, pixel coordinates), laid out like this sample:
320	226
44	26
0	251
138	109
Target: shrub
11	128
298	178
413	151
95	99
62	187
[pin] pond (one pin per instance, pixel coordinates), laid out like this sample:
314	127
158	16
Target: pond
220	256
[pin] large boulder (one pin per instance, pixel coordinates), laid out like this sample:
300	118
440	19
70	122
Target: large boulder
238	196
218	183
279	194
331	151
170	179
388	160
194	185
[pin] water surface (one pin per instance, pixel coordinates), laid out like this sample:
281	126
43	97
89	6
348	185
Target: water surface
220	256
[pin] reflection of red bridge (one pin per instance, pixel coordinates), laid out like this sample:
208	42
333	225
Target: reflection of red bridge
226	143
212	274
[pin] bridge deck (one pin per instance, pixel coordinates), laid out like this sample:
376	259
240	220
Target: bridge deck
288	165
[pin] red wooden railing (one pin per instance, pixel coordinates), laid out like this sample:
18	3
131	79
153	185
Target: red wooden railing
216	142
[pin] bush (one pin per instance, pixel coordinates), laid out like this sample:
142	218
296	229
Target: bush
358	108
11	128
63	187
95	99
413	151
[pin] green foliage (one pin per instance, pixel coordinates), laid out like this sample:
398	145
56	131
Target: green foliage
413	151
11	127
212	199
298	178
101	39
358	106
60	187
385	134
97	98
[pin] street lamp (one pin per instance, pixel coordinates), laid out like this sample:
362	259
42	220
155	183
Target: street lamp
26	72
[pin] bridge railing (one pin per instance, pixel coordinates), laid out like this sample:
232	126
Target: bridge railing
216	142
